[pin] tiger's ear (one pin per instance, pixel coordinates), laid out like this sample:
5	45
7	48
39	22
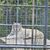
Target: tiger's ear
13	25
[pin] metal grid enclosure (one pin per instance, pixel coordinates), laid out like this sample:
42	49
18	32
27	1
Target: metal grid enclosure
25	25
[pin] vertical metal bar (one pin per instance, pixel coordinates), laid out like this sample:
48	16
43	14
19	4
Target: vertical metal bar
6	9
6	21
10	16
32	20
36	20
36	11
17	14
25	20
46	22
17	3
26	15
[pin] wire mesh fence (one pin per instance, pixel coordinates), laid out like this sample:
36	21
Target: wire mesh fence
24	25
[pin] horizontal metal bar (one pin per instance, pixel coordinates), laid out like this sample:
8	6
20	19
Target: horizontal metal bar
6	24
24	46
23	25
11	5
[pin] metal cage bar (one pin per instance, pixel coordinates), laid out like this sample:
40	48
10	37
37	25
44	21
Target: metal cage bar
46	26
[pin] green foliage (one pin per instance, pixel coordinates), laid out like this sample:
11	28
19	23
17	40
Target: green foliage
4	31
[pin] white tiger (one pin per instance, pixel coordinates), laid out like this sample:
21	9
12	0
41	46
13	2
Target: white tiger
19	31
